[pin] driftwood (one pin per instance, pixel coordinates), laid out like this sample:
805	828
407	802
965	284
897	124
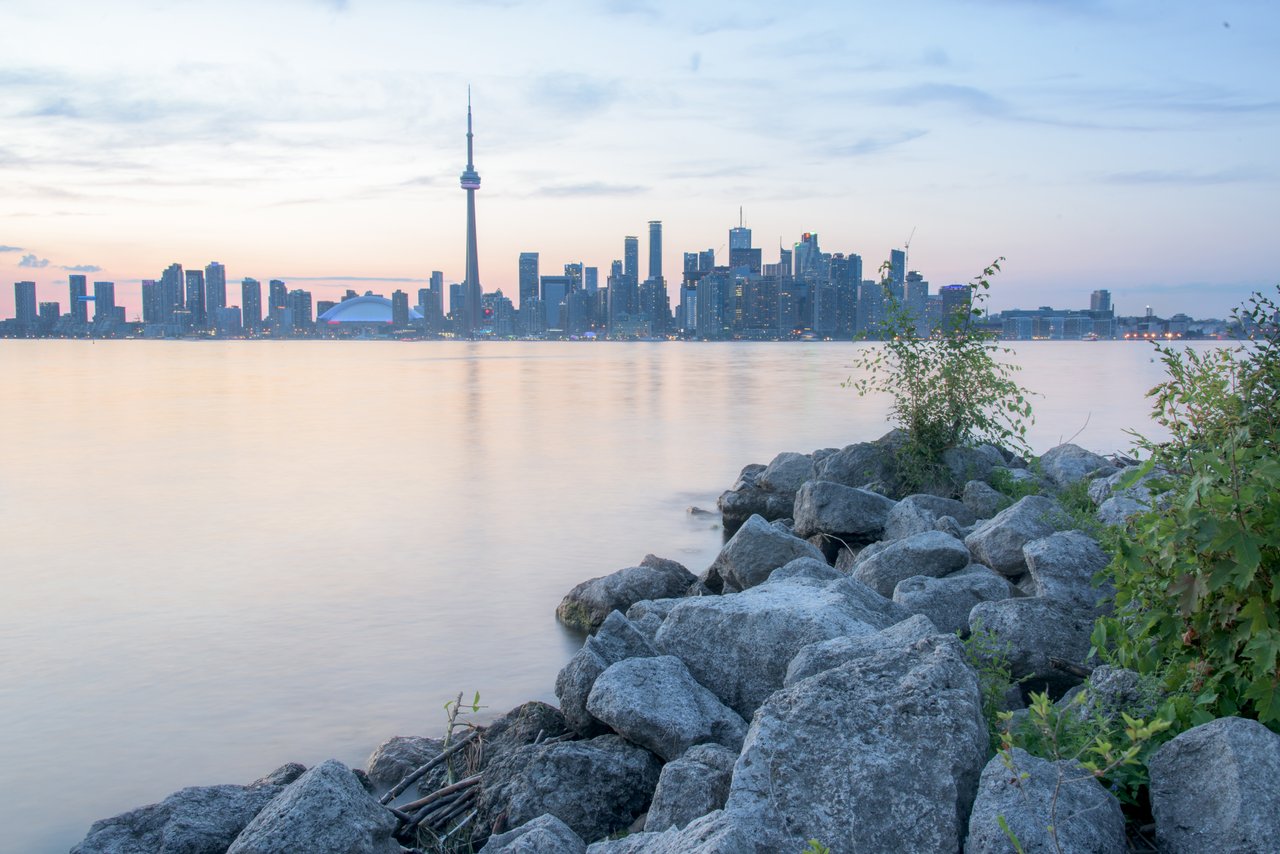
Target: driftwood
416	775
440	793
1068	667
439	812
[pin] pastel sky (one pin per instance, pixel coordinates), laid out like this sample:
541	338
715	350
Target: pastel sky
1124	145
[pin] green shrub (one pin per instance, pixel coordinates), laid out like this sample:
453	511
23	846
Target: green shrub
989	657
948	388
1197	582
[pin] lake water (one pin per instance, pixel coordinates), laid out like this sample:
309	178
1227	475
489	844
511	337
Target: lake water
216	557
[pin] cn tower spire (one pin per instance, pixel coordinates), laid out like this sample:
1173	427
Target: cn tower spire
469	323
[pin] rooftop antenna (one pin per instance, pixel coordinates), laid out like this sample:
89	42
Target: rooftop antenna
739	216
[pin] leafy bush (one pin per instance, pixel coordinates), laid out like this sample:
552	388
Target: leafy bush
1197	582
948	388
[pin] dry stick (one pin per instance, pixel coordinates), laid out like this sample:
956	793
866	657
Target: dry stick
440	793
442	821
413	777
399	814
459	826
438	813
1067	667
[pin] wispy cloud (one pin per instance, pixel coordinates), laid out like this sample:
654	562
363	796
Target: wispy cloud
591	188
80	268
1188	177
33	261
872	144
574	93
929	94
10	248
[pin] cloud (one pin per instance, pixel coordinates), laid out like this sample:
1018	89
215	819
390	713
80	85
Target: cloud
639	8
10	248
81	268
872	144
1186	177
590	188
33	261
574	93
731	23
695	61
967	97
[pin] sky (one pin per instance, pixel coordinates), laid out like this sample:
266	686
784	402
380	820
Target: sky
1093	144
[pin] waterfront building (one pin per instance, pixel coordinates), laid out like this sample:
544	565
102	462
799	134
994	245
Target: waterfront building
897	273
24	301
631	261
50	314
172	300
528	276
956	302
104	303
554	291
251	304
196	316
299	303
152	305
591	279
215	288
399	309
277	303
358	314
78	306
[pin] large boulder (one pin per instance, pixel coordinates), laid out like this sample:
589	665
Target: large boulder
692	786
617	639
657	704
982	500
1050	806
714	833
648	615
596	787
808	568
787	472
527	723
838	511
918	513
326	809
1216	787
739	646
399	755
828	654
931	553
585	606
880	754
1034	631
747	498
546	834
1110	486
1063	565
947	601
757	549
965	464
198	820
866	464
1067	464
1118	509
998	542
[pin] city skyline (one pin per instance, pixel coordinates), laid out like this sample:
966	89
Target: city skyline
1078	140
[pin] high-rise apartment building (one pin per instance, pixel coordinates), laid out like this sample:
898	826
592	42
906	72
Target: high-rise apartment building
215	290
528	276
171	293
1100	301
631	259
251	304
277	301
104	302
655	249
79	307
25	309
399	309
897	273
197	318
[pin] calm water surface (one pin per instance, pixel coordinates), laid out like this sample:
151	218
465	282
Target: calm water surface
216	557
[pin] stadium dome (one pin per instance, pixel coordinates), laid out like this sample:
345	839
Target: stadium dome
366	309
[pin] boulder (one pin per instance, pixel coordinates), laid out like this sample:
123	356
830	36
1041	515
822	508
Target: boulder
746	498
648	614
1216	787
965	464
947	601
864	463
757	549
546	834
657	704
596	787
527	723
825	655
586	606
1033	631
880	754
1062	566
617	639
787	472
326	809
982	500
198	820
714	833
1115	511
1067	464
1110	692
692	786
807	567
918	513
739	646
998	542
399	755
1036	795
932	553
843	512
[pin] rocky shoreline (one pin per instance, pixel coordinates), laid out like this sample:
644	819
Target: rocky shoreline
811	684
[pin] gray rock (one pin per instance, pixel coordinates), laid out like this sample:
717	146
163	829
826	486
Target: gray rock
657	704
1037	795
1015	473
994	455
326	809
880	754
596	787
1062	566
998	542
1108	693
757	549
739	646
617	639
282	776
714	833
396	757
982	500
1216	787
585	606
1066	464
932	553
1110	486
198	820
1034	631
692	786
918	513
807	567
527	723
825	655
787	472
546	834
1117	510
865	462
746	498
965	464
947	601
647	615
846	512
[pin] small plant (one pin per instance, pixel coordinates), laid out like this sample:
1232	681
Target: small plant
815	847
948	387
989	656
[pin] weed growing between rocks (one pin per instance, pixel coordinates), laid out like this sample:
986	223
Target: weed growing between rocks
948	386
989	656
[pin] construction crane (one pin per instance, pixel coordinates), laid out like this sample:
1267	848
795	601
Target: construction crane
906	253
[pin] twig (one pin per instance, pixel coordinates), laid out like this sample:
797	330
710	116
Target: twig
422	770
440	793
1079	670
459	825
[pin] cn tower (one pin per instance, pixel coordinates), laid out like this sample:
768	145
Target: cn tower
470	321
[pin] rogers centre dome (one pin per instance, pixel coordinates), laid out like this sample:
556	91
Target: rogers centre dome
369	309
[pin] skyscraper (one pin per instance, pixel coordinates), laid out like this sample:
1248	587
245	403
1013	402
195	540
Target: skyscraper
152	311
171	301
277	301
215	290
897	273
79	308
743	258
528	277
472	293
1100	301
631	259
655	249
251	304
24	301
104	302
195	299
